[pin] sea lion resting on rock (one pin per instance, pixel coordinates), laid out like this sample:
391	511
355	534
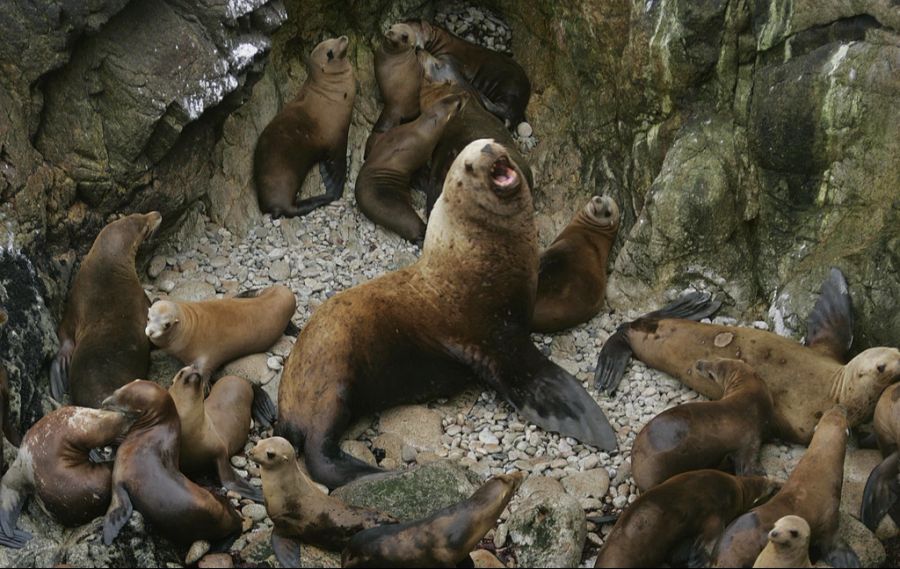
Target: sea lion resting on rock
572	277
694	505
881	494
312	128
701	435
498	77
300	511
101	336
813	492
53	463
383	183
215	429
443	539
805	381
146	474
462	311
788	544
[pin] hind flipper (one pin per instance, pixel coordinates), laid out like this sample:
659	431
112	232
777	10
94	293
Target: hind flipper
334	175
59	370
118	514
287	550
692	306
881	492
829	329
232	481
263	409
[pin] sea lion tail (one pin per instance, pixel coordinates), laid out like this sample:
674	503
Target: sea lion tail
881	492
263	410
830	325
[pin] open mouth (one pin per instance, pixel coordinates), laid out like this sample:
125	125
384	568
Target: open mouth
503	175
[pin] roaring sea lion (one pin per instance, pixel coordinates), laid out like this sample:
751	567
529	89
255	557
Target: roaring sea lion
572	277
300	511
146	474
881	493
694	505
461	312
702	435
210	333
399	76
788	545
383	184
443	539
53	463
813	492
311	129
215	429
497	76
101	336
805	381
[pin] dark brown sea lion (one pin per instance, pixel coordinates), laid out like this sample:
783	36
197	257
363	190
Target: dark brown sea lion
805	381
572	278
881	494
399	76
694	505
311	129
146	474
813	492
101	336
461	312
497	76
702	435
443	539
53	463
383	184
215	429
788	544
300	511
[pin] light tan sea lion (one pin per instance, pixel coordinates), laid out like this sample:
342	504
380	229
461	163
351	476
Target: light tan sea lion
788	545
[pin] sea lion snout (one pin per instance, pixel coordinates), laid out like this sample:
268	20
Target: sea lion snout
154	220
603	211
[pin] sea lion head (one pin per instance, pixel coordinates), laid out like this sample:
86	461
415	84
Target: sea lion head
445	108
422	32
125	235
188	384
400	37
162	321
790	535
443	69
273	453
143	402
330	56
864	378
602	212
726	372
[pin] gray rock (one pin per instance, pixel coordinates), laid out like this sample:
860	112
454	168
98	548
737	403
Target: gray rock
358	449
588	484
280	271
192	291
254	368
548	530
416	425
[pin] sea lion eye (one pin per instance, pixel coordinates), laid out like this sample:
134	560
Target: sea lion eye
270	455
168	325
469	167
330	54
881	368
795	533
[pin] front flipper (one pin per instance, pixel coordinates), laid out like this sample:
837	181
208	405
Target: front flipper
118	514
14	489
829	329
59	370
263	409
232	481
881	492
540	390
842	556
334	175
287	551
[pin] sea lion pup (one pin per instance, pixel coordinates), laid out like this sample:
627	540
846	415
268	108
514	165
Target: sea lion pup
399	76
702	435
461	312
146	474
300	511
880	496
572	277
53	463
788	544
312	128
215	429
692	505
101	336
443	539
497	76
813	492
383	184
805	381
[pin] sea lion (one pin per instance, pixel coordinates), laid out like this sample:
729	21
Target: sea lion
215	429
311	129
101	336
696	504
813	492
788	544
702	435
805	381
461	312
302	512
53	463
383	184
210	333
497	76
146	474
572	277
881	493
399	76
443	539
